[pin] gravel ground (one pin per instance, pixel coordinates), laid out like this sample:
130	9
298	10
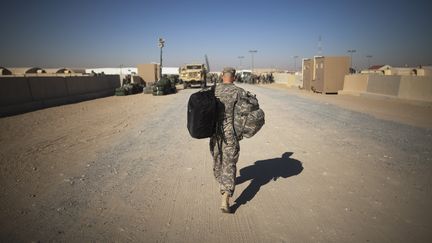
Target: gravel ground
122	169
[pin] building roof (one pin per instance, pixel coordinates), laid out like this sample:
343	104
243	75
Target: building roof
26	70
170	70
59	70
376	67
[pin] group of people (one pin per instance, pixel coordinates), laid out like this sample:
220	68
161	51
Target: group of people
214	78
263	78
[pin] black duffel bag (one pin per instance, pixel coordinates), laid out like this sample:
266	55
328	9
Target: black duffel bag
202	113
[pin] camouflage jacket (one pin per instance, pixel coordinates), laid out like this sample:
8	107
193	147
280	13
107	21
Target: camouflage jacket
227	96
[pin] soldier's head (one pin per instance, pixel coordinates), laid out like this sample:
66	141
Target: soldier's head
228	75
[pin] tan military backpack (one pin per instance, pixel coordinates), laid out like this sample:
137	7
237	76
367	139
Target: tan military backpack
248	117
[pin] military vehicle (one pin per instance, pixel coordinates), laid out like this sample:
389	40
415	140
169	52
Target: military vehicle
193	74
243	76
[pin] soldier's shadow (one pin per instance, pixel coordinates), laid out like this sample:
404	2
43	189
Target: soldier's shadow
262	172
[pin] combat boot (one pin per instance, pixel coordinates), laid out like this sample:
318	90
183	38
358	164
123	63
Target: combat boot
225	207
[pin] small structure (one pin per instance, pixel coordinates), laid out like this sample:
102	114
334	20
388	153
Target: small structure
35	70
329	73
424	71
59	71
170	70
27	70
403	71
65	71
397	71
307	70
259	71
377	69
148	72
5	71
122	71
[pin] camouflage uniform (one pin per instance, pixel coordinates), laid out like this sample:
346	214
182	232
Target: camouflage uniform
224	145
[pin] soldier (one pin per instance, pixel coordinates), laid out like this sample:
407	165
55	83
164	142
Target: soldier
224	145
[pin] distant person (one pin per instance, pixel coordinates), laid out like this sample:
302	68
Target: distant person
224	145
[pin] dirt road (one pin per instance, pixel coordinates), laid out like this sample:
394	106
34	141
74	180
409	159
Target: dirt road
125	169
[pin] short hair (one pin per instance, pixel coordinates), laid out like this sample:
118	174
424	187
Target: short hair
229	70
230	74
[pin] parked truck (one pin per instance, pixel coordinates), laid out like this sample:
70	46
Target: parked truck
193	74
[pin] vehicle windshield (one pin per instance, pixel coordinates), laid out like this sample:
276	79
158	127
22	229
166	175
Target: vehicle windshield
194	67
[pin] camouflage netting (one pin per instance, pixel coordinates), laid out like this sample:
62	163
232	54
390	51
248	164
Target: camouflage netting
128	89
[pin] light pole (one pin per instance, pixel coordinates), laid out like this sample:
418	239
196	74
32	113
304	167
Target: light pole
369	58
240	59
252	56
161	45
121	73
295	63
351	52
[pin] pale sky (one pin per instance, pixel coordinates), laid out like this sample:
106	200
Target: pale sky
113	33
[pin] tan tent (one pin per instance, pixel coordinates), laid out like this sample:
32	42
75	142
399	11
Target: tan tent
26	70
5	71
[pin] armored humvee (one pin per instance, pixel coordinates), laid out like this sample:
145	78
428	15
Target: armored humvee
193	74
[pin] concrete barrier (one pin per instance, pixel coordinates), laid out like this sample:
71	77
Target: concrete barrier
280	78
412	88
355	84
22	94
45	88
291	80
384	85
77	85
96	87
113	81
14	90
416	88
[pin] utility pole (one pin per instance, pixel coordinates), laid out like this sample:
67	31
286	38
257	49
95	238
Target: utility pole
351	52
240	59
295	63
252	56
369	58
161	45
121	74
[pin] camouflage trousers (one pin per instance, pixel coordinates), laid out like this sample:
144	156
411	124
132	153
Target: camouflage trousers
225	150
